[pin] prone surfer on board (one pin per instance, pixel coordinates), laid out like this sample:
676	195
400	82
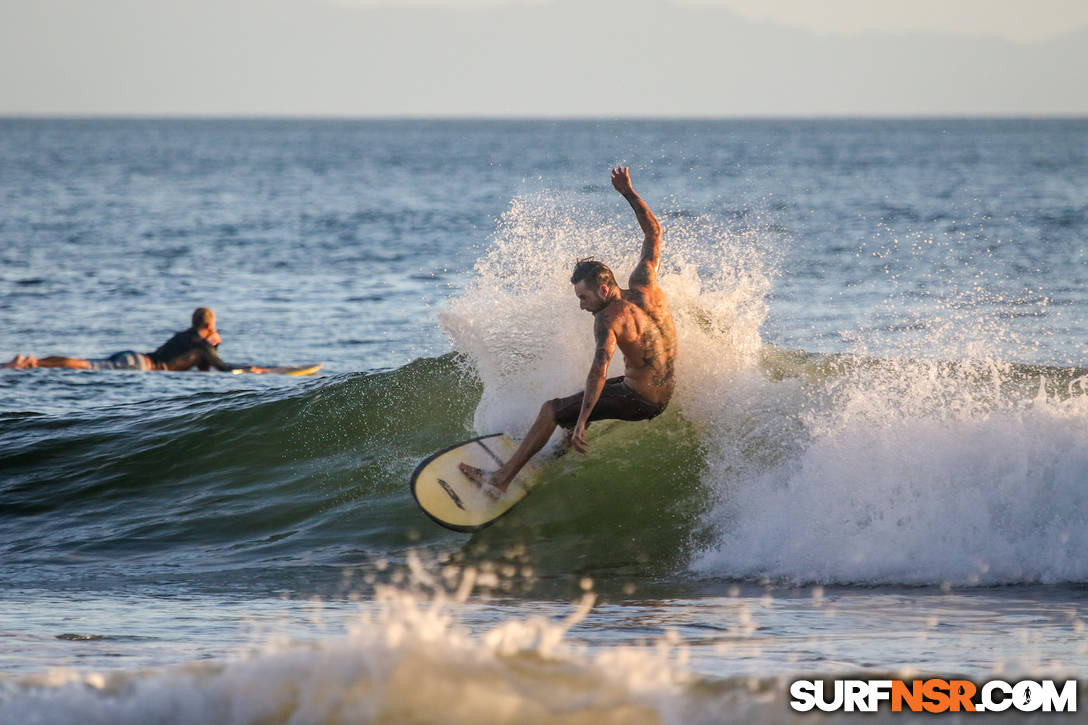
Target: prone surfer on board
638	321
192	348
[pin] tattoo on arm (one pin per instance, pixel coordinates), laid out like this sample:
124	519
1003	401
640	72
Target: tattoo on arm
606	342
606	347
651	246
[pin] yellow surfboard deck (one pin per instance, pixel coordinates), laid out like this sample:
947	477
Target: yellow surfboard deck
297	369
289	369
452	500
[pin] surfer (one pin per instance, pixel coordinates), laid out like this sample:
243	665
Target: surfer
638	321
192	348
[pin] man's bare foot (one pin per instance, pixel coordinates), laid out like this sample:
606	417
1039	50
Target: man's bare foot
21	362
481	478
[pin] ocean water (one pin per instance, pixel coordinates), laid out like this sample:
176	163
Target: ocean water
876	461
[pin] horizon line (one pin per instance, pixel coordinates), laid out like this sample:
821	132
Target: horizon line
139	116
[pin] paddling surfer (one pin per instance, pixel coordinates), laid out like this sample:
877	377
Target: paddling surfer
192	348
638	321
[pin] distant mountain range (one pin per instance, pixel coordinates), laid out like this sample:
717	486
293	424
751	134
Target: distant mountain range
564	58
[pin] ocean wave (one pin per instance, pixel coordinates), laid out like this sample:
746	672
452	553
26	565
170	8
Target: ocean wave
409	659
414	654
908	472
928	468
230	478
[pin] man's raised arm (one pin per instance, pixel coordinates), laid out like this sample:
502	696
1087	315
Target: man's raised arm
646	271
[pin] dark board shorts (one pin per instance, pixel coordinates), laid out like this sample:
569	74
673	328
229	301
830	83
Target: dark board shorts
617	402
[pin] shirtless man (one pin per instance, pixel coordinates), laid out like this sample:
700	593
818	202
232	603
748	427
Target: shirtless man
192	348
638	321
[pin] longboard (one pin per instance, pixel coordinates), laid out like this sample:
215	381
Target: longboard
289	369
452	500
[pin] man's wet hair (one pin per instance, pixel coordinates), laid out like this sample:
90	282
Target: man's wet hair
593	273
201	317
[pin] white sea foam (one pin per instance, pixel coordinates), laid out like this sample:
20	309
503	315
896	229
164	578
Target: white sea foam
914	473
927	459
408	661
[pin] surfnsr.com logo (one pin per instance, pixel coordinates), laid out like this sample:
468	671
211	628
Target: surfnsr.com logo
933	695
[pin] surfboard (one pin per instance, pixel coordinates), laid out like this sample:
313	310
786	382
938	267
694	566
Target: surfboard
288	369
452	500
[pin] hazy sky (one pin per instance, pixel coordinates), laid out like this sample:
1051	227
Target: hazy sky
1021	20
544	57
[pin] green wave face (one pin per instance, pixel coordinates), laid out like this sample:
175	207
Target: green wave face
226	480
316	479
630	507
320	477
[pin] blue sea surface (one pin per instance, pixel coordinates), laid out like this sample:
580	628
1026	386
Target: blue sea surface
876	460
